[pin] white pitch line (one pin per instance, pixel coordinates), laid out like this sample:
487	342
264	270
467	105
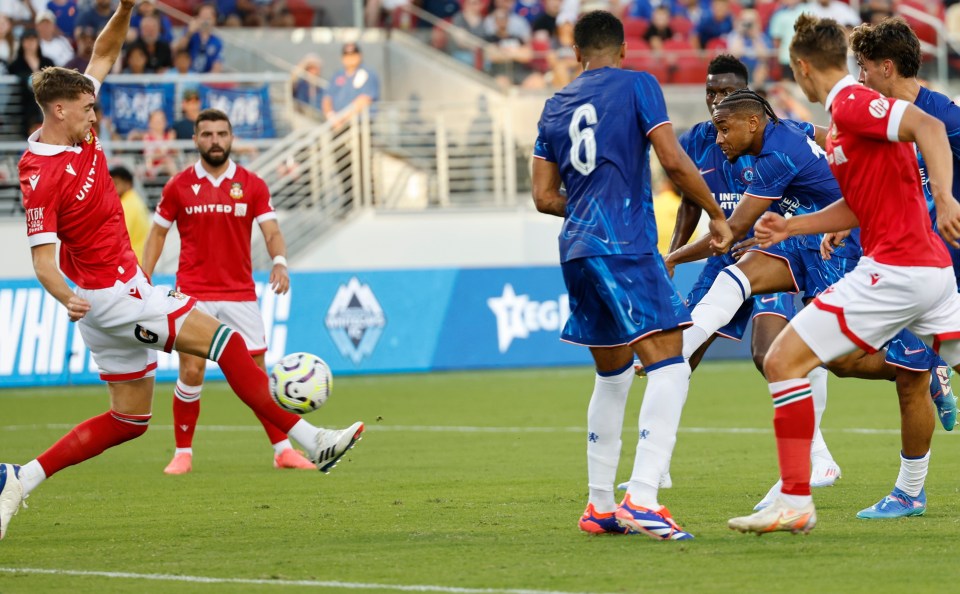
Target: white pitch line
196	579
475	429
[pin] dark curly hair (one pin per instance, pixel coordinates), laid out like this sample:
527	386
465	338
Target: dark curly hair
892	39
598	31
727	64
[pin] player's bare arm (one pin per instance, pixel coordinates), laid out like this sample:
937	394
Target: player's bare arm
688	215
744	216
45	266
277	248
106	49
773	228
683	173
546	188
153	248
931	137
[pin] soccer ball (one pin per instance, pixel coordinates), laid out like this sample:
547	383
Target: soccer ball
301	382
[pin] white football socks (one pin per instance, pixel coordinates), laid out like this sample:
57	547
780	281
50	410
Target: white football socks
913	473
663	400
306	435
716	309
604	427
31	475
281	445
818	383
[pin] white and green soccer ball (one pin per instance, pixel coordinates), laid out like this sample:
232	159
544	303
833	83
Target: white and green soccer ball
301	382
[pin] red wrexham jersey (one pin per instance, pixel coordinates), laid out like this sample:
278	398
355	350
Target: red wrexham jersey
68	195
215	218
879	177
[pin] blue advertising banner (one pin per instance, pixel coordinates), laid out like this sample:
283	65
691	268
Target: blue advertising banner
359	322
248	109
129	105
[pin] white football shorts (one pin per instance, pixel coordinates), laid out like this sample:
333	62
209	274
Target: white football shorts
130	321
870	305
242	316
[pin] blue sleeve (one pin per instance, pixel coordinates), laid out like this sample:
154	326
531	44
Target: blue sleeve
805	127
651	107
543	149
951	120
772	173
371	88
218	55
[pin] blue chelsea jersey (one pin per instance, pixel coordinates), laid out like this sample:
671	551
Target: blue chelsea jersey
596	130
792	170
725	179
941	107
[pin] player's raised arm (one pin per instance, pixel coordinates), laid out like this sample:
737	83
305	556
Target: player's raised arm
106	49
930	135
683	173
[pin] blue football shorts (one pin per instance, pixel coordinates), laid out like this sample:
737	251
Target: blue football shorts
811	274
617	300
909	352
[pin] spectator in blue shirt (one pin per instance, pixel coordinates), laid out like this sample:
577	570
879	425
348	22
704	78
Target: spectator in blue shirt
306	78
65	12
351	89
95	17
716	22
148	8
206	49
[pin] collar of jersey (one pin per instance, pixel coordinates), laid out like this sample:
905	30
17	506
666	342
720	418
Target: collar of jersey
842	84
48	150
228	174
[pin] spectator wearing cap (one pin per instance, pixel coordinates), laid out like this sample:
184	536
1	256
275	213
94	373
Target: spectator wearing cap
149	8
351	89
53	45
84	42
205	47
190	109
159	53
135	213
95	16
66	13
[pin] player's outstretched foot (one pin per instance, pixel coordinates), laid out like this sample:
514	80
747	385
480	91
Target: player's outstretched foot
665	483
182	463
778	516
896	505
943	396
291	458
599	523
657	524
332	444
11	495
824	472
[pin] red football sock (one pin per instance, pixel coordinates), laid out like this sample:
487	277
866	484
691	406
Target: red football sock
274	434
793	423
90	438
186	411
248	381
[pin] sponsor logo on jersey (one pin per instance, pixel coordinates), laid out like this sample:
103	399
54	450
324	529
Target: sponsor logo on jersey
837	157
35	219
145	336
240	210
88	183
33	179
195	188
236	191
518	316
209	208
355	320
879	107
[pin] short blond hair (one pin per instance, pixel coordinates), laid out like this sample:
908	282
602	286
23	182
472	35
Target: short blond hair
822	42
55	84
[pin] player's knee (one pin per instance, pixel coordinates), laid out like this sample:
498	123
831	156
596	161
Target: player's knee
130	426
191	374
758	359
773	368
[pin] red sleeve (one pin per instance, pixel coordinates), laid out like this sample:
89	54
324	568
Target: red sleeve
871	115
169	206
40	203
261	203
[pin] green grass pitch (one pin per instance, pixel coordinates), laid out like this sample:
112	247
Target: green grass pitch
465	482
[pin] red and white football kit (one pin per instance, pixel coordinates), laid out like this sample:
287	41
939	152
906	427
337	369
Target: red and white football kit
215	217
905	277
68	195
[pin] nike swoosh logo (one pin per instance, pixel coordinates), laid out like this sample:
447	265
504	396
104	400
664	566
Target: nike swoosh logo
702	172
789	521
912	351
767	299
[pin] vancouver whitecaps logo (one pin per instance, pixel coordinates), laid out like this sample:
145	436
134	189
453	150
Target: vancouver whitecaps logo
355	320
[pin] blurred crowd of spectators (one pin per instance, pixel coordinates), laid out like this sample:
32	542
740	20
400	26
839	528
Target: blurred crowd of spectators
528	42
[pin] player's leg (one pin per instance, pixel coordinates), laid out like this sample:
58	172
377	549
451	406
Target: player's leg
204	336
186	411
916	431
757	273
614	376
284	454
128	417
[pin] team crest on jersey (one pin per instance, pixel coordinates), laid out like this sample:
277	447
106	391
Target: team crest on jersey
89	137
236	191
747	175
176	294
